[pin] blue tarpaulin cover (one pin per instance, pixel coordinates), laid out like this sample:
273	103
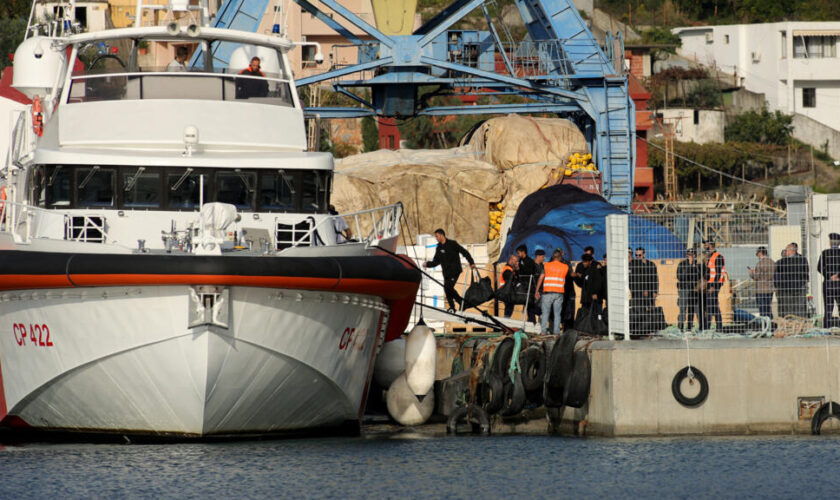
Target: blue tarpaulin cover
569	218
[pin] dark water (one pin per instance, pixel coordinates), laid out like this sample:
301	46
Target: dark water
438	467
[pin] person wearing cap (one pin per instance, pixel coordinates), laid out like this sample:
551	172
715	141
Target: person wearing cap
590	282
715	274
763	277
689	284
791	282
529	274
829	267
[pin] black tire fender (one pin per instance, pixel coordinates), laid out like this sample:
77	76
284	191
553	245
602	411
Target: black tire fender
697	375
501	357
472	414
826	411
514	399
561	361
492	393
532	362
576	390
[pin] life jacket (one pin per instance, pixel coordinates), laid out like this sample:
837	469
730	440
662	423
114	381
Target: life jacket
37	117
555	277
3	200
713	277
502	277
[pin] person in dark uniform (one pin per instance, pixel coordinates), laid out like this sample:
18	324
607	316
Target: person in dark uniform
590	281
689	283
448	256
529	275
791	283
829	267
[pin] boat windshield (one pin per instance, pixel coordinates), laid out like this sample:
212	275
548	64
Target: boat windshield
178	188
148	69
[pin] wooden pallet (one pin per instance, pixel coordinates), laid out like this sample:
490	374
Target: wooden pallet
450	327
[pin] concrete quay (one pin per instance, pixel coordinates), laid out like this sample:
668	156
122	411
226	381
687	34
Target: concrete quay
755	386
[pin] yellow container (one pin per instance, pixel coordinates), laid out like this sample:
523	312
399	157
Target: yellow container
394	17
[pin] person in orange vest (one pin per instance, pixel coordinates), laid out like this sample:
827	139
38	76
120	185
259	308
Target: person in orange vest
554	282
252	87
715	273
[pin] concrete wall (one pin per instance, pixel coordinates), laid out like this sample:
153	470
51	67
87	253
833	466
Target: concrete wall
754	385
761	55
709	126
741	101
816	134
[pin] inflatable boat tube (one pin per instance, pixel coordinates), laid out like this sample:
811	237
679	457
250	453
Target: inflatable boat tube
698	377
471	414
576	389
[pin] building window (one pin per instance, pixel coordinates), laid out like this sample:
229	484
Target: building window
726	39
697	117
809	98
784	44
814	47
308	53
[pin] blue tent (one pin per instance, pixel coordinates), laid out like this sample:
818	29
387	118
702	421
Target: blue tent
572	219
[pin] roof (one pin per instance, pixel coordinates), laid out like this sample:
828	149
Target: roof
7	91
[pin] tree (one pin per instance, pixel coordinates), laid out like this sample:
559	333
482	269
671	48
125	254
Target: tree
764	127
370	134
11	34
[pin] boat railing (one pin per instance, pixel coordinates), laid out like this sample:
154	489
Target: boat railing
180	85
20	219
376	224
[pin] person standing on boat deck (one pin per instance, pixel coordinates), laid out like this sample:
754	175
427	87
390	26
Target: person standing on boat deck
689	284
177	64
554	282
763	277
448	257
510	273
251	87
529	275
342	230
829	267
715	276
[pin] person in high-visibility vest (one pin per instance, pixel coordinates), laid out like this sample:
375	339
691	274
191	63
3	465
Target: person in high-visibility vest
715	276
554	281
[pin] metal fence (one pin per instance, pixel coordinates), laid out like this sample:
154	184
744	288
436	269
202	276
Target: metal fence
725	274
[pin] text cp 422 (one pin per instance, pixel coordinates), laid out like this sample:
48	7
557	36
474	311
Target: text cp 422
34	334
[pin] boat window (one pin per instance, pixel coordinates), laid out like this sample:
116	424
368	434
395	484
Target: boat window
236	188
314	190
183	190
277	191
95	187
58	186
141	189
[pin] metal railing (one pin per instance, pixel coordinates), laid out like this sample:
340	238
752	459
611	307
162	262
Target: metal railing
376	223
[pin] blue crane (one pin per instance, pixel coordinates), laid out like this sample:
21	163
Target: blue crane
559	68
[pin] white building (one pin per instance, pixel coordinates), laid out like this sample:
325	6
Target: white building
794	64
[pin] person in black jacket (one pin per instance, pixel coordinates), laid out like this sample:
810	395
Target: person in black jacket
689	283
448	256
529	274
590	281
829	267
791	283
644	287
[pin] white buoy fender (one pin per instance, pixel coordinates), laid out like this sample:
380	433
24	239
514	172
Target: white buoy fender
390	363
420	357
405	407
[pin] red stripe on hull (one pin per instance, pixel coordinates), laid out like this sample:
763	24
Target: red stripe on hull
381	288
3	409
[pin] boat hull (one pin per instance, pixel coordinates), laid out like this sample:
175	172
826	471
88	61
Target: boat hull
125	360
